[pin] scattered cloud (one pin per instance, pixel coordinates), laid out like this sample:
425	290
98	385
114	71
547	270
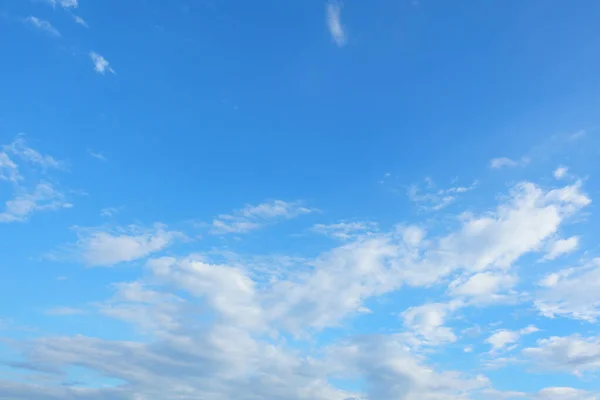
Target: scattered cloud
560	172
505	162
550	393
19	148
572	293
67	4
104	247
573	354
429	197
42	25
503	338
334	23
9	171
253	217
101	64
43	198
426	323
344	230
222	326
562	246
484	287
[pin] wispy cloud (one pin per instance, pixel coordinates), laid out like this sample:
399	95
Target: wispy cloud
109	211
344	230
63	3
43	198
20	149
42	25
107	247
97	155
21	165
505	162
430	197
80	21
254	217
101	64
334	23
64	311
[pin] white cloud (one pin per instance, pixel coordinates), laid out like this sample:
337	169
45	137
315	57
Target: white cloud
572	293
151	310
43	198
573	354
484	287
562	246
101	64
253	217
550	393
228	290
505	162
100	247
345	230
334	24
392	372
216	331
64	311
504	337
560	172
564	393
42	25
426	323
80	21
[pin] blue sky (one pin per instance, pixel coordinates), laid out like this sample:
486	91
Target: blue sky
382	200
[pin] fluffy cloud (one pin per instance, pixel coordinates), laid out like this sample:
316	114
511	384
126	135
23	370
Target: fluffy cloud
560	172
573	354
504	337
484	287
334	24
571	292
254	217
100	247
391	372
562	246
426	322
227	329
550	393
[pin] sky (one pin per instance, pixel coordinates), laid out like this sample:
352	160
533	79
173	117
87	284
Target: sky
294	200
